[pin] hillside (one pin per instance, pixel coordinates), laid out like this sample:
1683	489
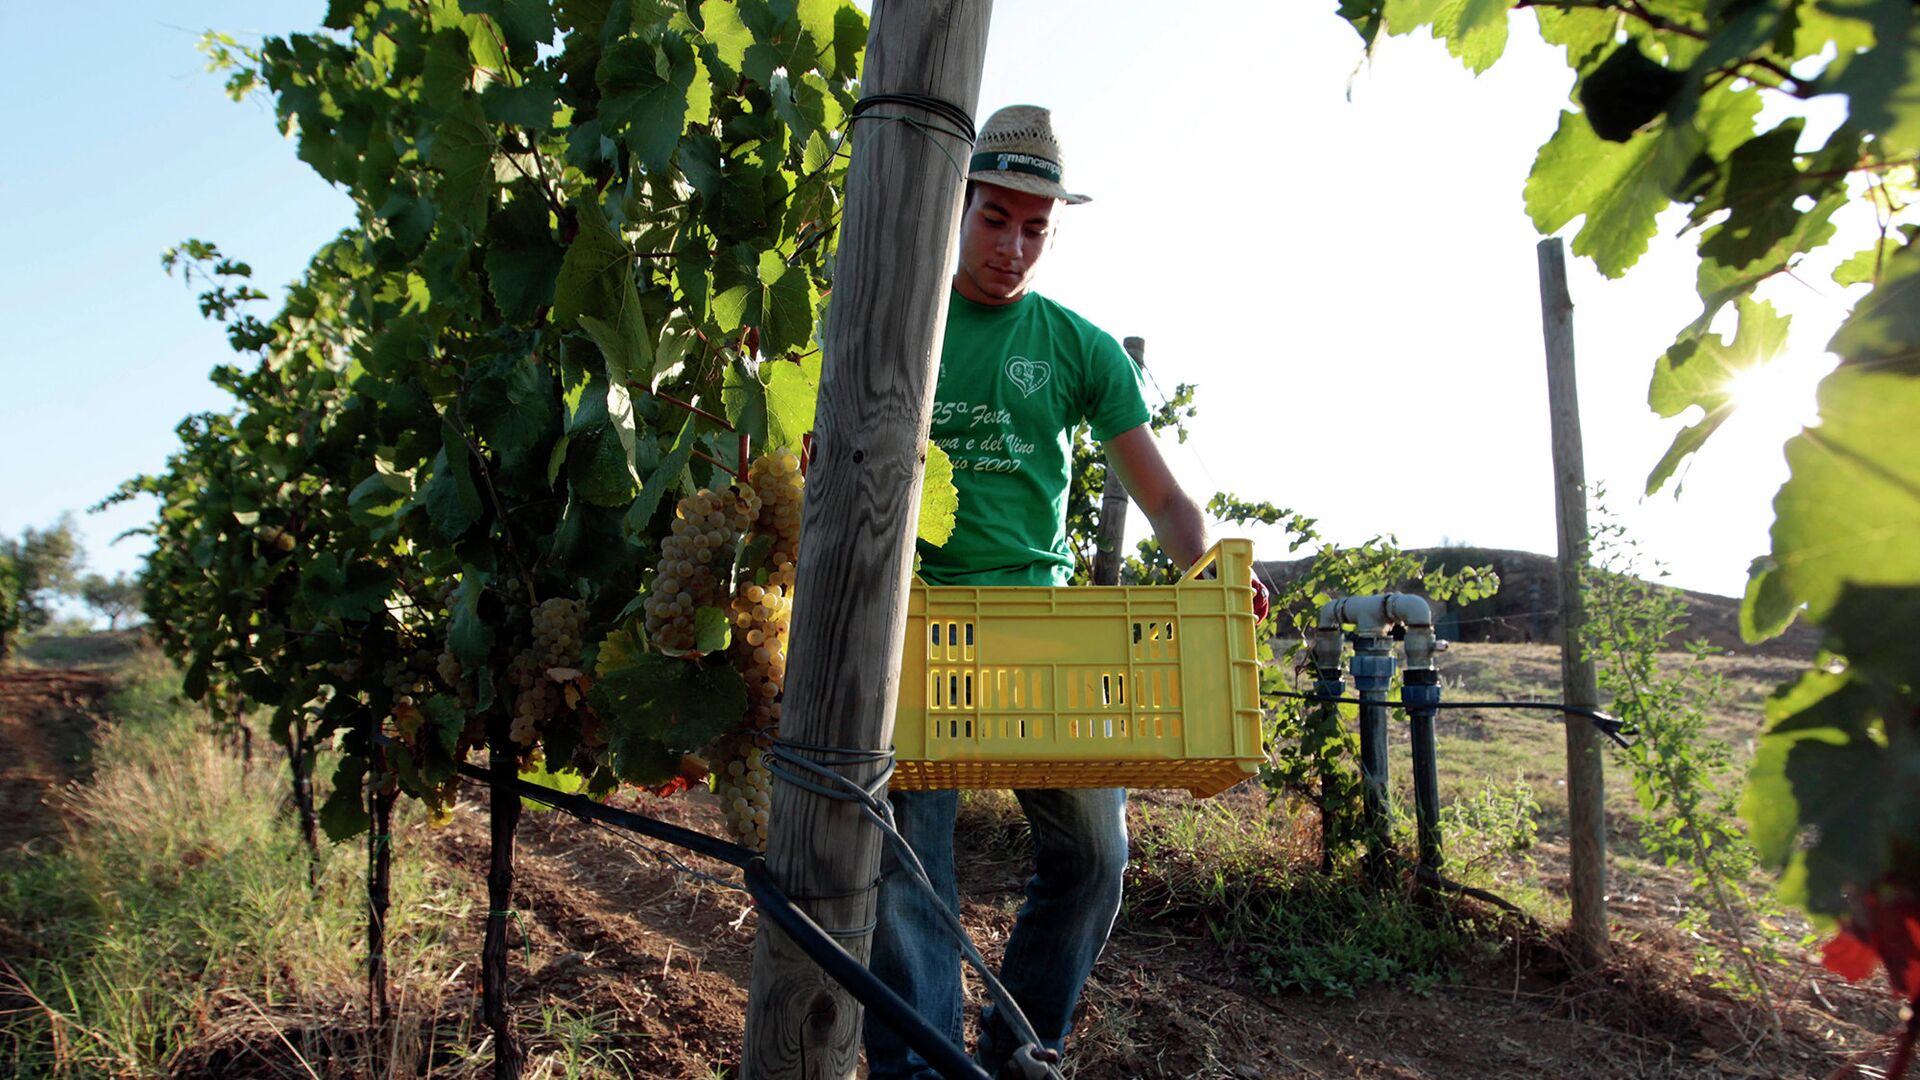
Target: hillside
1527	607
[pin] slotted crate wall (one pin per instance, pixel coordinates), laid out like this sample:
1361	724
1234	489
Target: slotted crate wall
1139	686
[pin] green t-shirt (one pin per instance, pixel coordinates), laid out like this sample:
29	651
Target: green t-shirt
1015	380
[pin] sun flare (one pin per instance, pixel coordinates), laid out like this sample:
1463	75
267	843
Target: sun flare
1779	396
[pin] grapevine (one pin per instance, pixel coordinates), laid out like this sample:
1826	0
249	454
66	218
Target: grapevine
1672	111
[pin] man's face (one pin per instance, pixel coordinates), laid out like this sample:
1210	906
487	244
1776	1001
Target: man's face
1003	233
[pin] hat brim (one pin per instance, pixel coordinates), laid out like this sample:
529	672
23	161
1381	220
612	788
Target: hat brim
1032	185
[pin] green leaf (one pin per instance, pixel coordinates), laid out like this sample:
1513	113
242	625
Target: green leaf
644	107
711	629
1475	31
1882	83
567	783
463	147
652	708
343	815
523	259
1825	794
1767	608
745	397
665	476
1849	512
447	72
1620	188
1583	31
527	24
354	590
452	500
1763	178
512	406
722	28
786	322
793	391
596	272
530	106
468	635
1700	372
939	499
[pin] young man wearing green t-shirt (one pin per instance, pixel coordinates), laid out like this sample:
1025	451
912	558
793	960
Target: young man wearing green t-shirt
1018	373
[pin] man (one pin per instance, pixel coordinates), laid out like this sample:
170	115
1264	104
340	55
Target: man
1018	374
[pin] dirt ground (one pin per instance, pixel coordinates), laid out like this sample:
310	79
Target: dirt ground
662	957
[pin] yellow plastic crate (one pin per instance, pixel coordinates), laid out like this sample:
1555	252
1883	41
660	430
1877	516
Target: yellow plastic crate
1138	686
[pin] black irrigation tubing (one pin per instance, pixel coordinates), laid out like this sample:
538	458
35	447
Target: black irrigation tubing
1605	722
951	1061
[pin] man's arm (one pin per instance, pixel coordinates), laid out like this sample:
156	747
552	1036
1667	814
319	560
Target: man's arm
1134	456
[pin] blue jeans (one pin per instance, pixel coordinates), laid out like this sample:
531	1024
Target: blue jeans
1080	861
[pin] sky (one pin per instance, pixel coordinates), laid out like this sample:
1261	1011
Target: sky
1332	247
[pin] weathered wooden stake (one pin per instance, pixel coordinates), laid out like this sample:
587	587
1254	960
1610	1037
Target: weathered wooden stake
1113	502
882	349
301	765
1586	800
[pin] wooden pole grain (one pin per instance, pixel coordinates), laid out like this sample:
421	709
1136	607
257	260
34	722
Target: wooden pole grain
881	344
1586	799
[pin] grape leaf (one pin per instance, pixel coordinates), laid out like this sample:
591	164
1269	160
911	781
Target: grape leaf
793	391
1882	83
723	30
468	635
652	708
745	397
531	105
939	499
711	629
596	273
1700	372
512	405
523	260
663	479
643	108
1475	31
1583	31
1620	188
1849	510
526	24
1863	267
343	815
463	147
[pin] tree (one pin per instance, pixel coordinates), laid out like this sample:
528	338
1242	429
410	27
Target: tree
116	597
35	569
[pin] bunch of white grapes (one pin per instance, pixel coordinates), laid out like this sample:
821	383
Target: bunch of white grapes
777	480
745	789
405	679
538	698
695	562
761	612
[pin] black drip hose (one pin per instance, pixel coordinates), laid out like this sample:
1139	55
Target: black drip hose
950	1060
1605	722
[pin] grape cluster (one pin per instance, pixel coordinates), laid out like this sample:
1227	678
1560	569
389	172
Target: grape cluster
695	561
760	612
746	790
538	698
776	479
405	679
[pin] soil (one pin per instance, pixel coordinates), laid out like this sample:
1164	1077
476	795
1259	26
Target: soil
662	957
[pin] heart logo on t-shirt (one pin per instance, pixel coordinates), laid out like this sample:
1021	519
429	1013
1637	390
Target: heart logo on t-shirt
1028	375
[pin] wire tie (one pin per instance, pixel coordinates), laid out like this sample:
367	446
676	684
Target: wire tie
526	935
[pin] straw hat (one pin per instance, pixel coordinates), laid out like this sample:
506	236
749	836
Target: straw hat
1017	150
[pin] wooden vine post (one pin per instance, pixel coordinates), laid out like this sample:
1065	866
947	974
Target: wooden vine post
381	793
1113	502
882	350
1586	798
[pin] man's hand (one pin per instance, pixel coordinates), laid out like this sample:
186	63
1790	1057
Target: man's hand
1261	600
